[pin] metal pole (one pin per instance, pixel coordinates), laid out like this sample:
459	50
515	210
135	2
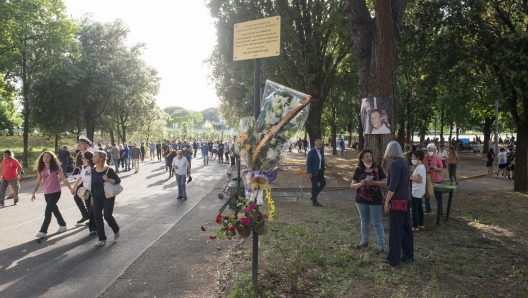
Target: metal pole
496	127
256	105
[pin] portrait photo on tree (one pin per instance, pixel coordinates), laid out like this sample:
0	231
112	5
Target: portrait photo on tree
376	113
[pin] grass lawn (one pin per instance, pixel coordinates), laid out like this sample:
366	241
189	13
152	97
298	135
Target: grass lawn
37	145
479	252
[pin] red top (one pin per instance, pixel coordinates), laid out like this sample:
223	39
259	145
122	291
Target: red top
435	161
9	168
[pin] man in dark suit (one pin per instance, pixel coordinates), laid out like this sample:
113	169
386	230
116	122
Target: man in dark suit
315	167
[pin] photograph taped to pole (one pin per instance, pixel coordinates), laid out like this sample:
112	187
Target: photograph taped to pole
376	115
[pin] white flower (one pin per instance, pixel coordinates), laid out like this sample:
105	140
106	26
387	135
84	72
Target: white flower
272	154
271	119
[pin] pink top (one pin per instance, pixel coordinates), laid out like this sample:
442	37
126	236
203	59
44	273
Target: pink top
51	181
435	161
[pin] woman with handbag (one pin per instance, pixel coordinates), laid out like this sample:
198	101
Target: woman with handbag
418	179
86	178
48	168
367	181
452	161
101	204
398	195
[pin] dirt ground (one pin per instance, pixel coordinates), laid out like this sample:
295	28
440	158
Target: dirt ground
340	169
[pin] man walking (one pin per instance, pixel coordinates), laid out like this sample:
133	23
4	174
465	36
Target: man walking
342	146
11	170
64	155
135	154
158	150
205	153
152	150
126	156
187	152
315	167
83	144
183	169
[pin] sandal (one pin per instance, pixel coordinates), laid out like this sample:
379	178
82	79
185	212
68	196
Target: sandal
415	229
100	243
421	227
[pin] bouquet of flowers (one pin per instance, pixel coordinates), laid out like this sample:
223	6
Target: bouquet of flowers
281	119
251	219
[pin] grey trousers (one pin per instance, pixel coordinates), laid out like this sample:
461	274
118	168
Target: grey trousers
3	187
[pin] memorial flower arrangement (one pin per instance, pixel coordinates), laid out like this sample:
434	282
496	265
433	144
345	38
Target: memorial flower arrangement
282	117
260	145
248	219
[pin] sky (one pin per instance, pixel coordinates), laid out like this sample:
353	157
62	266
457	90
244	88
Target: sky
179	36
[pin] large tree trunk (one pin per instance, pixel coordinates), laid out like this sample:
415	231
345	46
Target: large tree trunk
27	108
487	132
349	134
442	142
374	41
521	156
313	122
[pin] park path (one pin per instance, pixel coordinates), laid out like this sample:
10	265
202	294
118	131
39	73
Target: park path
68	264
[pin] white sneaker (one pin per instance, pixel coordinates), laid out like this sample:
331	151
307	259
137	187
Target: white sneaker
62	229
41	235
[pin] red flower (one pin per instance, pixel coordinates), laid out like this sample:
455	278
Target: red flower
203	229
212	237
218	218
231	229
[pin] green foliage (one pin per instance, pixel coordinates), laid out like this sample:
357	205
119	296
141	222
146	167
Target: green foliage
314	44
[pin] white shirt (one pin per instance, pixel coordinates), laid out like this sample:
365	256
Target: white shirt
86	175
418	189
442	154
182	164
320	159
382	130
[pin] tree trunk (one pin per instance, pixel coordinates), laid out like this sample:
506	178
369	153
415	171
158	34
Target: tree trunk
521	157
442	142
488	122
56	143
349	134
450	134
27	108
374	41
334	139
313	122
112	138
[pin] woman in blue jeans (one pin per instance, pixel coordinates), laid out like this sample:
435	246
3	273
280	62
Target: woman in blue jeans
367	181
103	206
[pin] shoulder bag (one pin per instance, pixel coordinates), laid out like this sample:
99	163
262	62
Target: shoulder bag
111	190
83	193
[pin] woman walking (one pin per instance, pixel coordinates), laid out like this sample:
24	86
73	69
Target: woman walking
169	158
103	206
418	179
86	179
401	235
367	180
48	168
452	161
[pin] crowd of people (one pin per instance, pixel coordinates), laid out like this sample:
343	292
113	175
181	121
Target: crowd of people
404	185
90	167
